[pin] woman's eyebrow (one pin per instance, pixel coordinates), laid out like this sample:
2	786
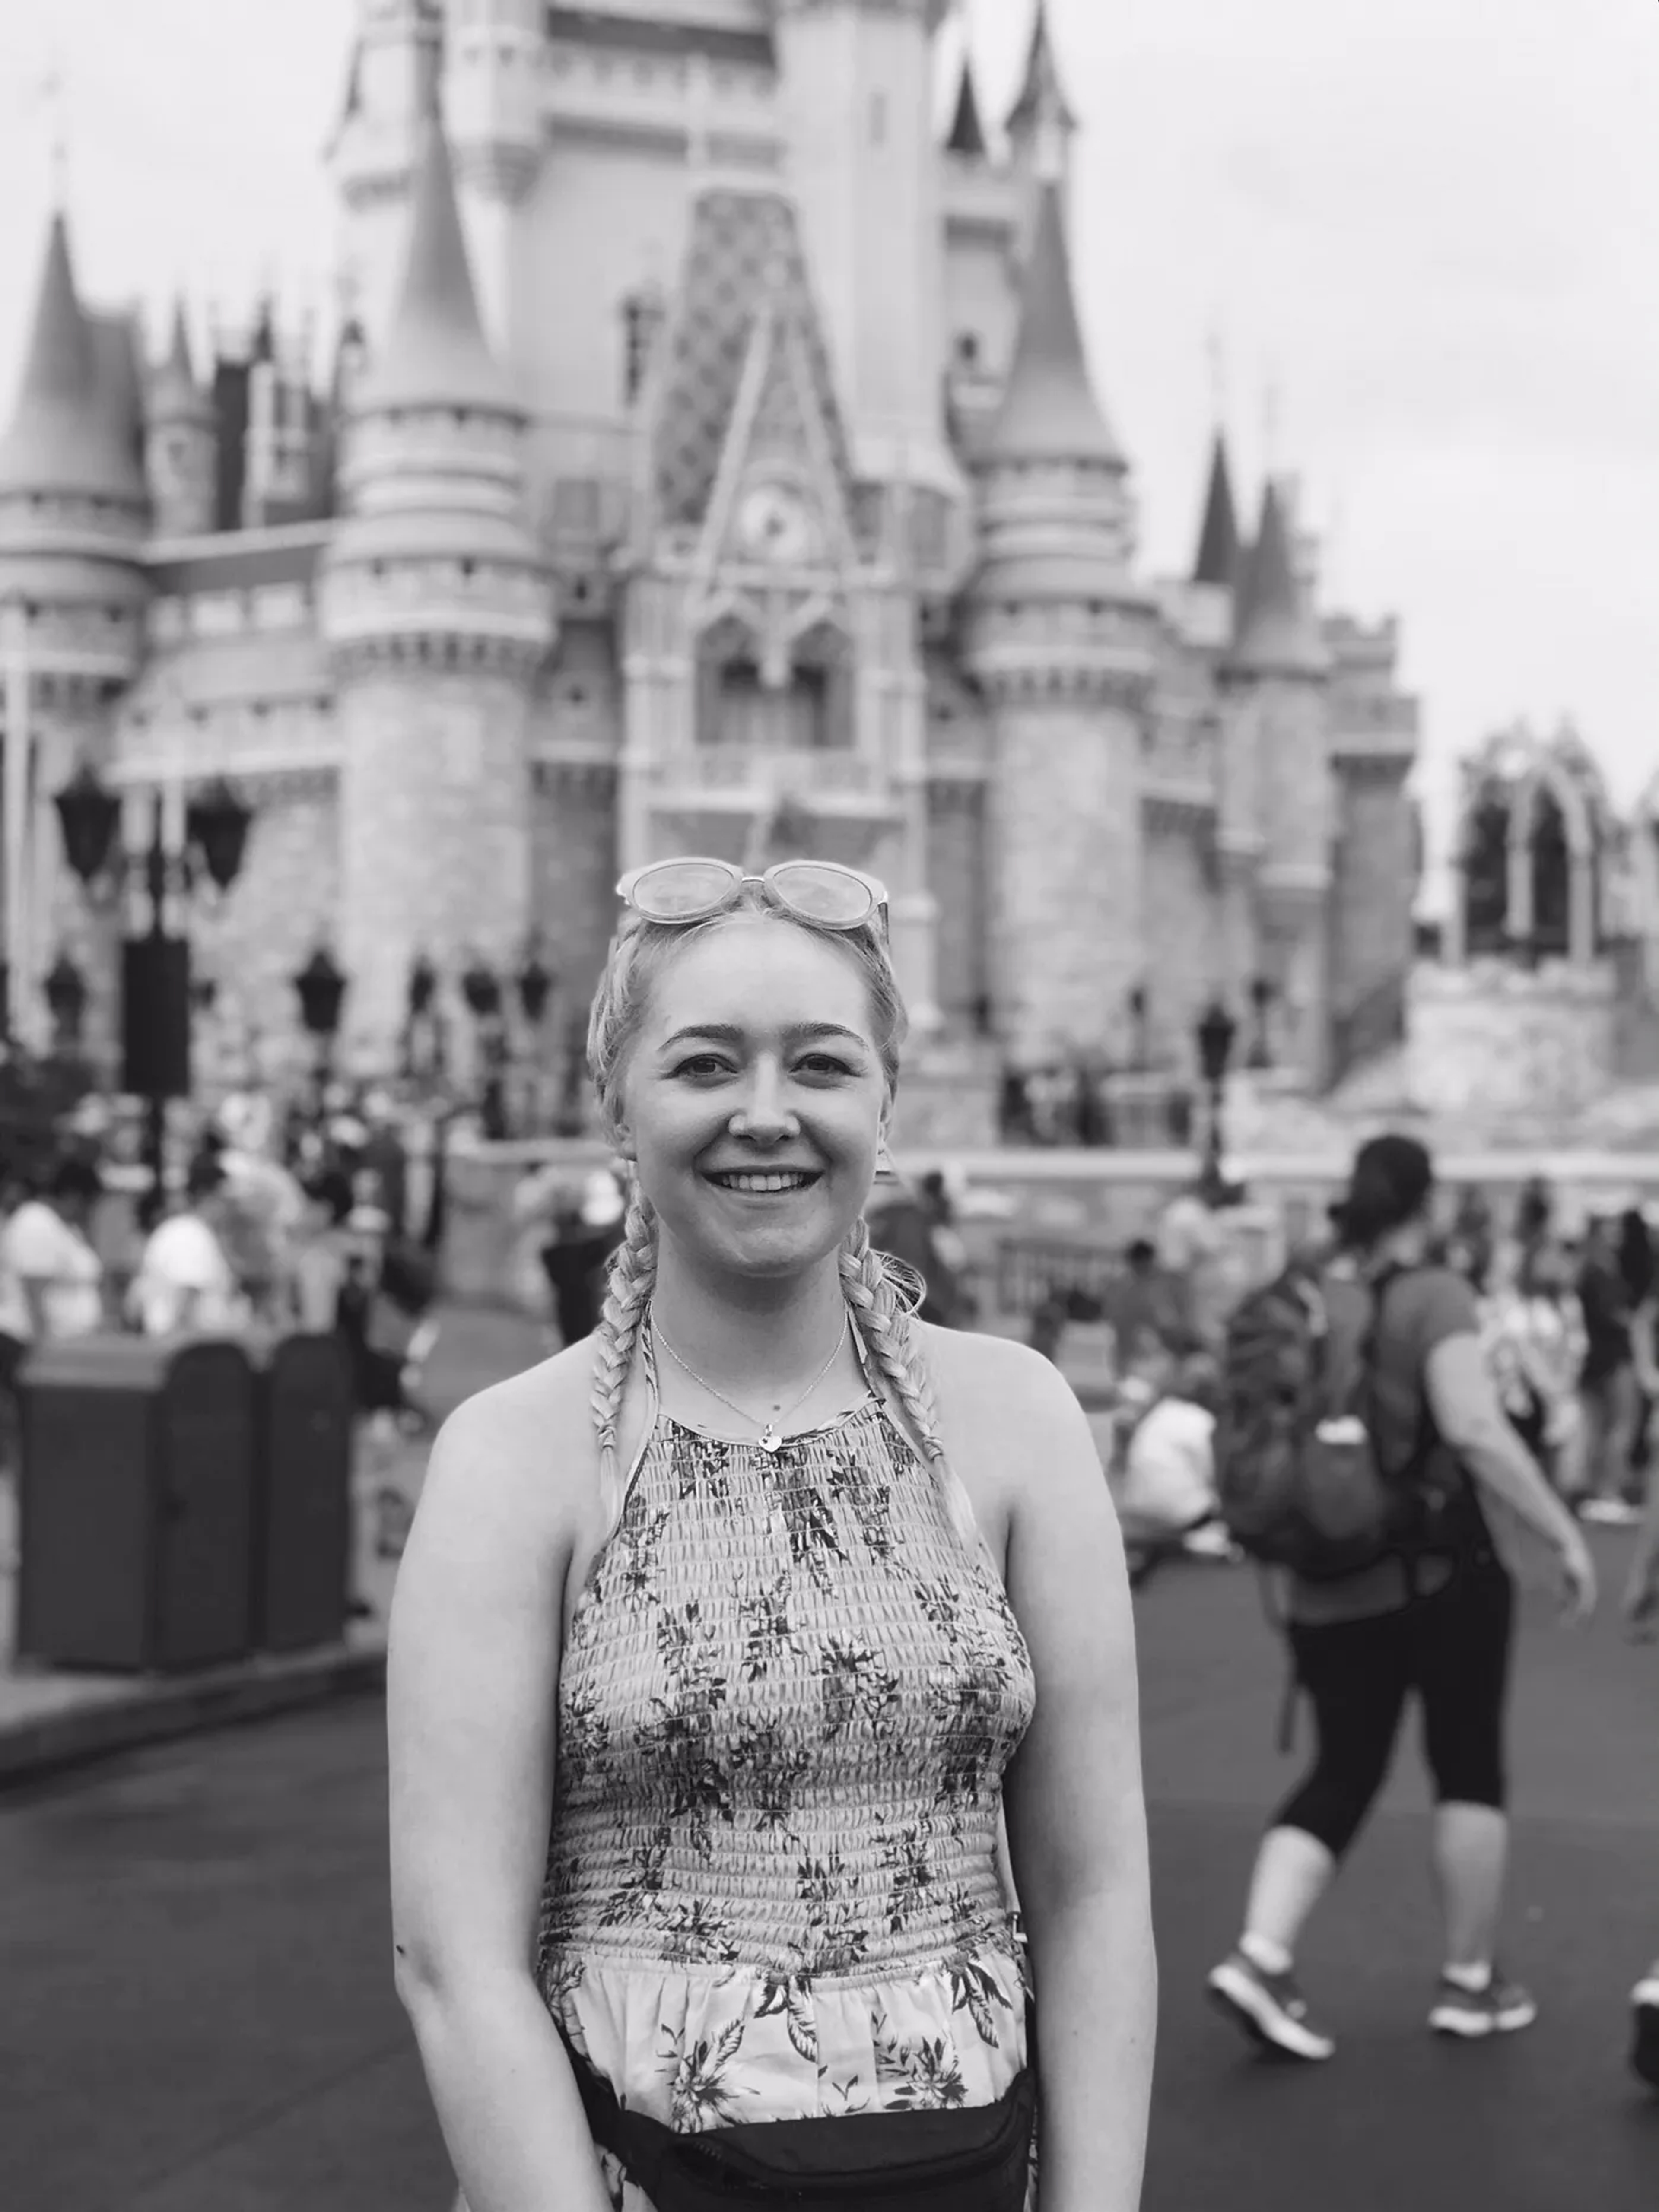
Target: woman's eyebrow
797	1033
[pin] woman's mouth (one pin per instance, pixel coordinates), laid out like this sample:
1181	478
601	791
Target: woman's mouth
777	1182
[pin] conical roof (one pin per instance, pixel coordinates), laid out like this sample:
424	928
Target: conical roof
1218	545
173	390
1273	627
967	129
67	433
434	352
1042	95
1049	410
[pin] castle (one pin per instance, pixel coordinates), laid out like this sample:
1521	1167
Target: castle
708	461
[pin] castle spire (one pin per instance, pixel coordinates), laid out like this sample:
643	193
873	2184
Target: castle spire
967	135
435	353
1274	631
1049	410
1041	107
1217	543
64	436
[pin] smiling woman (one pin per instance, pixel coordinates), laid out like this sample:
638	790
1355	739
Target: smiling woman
725	1641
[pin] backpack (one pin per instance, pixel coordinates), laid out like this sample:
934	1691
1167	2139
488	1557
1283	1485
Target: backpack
1300	1479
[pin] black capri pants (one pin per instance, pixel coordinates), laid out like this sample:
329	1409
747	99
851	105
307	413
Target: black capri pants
1453	1649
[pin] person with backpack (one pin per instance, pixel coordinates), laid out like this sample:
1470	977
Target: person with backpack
1361	1448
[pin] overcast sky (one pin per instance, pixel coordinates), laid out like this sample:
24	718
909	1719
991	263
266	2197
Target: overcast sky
1431	227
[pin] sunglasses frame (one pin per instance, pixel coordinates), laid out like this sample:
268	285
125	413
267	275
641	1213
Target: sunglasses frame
739	881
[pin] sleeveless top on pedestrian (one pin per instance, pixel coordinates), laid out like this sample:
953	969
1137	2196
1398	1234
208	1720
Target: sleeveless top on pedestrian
787	1697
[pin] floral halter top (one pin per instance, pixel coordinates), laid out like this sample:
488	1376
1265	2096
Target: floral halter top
786	1701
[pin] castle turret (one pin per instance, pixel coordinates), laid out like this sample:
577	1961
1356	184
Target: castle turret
966	137
390	96
181	441
1276	816
1060	640
1217	558
1041	123
858	82
437	611
494	90
74	516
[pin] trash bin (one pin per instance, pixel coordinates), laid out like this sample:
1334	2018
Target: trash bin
136	1505
302	1528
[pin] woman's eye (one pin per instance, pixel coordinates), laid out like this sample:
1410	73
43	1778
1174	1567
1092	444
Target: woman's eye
824	1063
702	1063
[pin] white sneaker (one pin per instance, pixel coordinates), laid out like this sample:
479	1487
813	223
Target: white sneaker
1270	2008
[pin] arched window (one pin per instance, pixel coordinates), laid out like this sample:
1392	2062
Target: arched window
1486	876
1551	861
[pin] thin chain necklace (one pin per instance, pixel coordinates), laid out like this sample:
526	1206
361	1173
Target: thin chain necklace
771	1432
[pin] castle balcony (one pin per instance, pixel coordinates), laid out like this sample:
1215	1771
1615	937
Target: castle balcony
826	779
1375	726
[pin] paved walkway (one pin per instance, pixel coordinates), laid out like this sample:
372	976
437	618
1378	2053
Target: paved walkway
199	2015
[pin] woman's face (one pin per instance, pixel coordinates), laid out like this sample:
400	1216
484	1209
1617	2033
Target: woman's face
754	1100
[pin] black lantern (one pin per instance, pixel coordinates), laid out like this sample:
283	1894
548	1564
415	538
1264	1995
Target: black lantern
535	987
423	985
66	995
217	823
90	814
204	994
481	990
322	988
1216	1033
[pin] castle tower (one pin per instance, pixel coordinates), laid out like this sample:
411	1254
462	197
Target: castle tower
858	89
74	516
1041	123
1060	640
181	442
392	92
493	91
1277	819
1216	564
437	612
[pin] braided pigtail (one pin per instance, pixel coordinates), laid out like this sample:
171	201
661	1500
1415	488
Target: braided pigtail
870	1291
628	1295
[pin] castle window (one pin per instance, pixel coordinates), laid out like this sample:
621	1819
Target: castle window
1552	875
740	711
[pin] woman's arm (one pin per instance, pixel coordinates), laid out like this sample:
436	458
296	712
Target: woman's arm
1472	1424
472	1683
1077	1820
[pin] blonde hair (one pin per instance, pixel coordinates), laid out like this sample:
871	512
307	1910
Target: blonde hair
878	1292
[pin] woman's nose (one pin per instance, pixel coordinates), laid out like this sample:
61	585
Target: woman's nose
765	1113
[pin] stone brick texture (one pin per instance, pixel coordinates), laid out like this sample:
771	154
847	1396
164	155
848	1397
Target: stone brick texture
1495	1039
1373	886
436	807
1181	933
1066	875
956	875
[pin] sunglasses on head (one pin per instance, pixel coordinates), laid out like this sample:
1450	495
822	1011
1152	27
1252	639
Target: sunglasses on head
691	890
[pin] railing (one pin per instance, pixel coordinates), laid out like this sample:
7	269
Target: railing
1032	1272
805	772
1374	1024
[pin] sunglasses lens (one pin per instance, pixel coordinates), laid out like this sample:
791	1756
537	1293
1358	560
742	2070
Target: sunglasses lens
678	890
832	896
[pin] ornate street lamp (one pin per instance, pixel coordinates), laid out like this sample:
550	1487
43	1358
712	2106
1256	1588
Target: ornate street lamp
1261	998
217	825
422	986
1217	1031
320	987
535	987
155	988
481	990
66	995
88	815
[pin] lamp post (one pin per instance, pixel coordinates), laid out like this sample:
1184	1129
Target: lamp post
320	986
65	987
481	988
1217	1031
420	992
535	984
156	993
1261	999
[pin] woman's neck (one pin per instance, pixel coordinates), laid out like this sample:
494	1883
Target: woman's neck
748	1333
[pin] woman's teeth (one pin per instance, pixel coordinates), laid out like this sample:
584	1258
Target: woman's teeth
763	1184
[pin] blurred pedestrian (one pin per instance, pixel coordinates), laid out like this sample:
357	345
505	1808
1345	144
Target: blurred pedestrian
47	1254
577	1256
1430	1617
186	1283
1609	1394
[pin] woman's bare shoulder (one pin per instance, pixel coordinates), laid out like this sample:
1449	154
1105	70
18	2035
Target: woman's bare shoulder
527	1442
975	1372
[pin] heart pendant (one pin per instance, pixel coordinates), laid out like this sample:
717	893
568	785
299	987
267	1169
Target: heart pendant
770	1441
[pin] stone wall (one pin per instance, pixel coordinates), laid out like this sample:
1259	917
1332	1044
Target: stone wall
957	878
573	895
1495	1042
1373	885
1180	934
